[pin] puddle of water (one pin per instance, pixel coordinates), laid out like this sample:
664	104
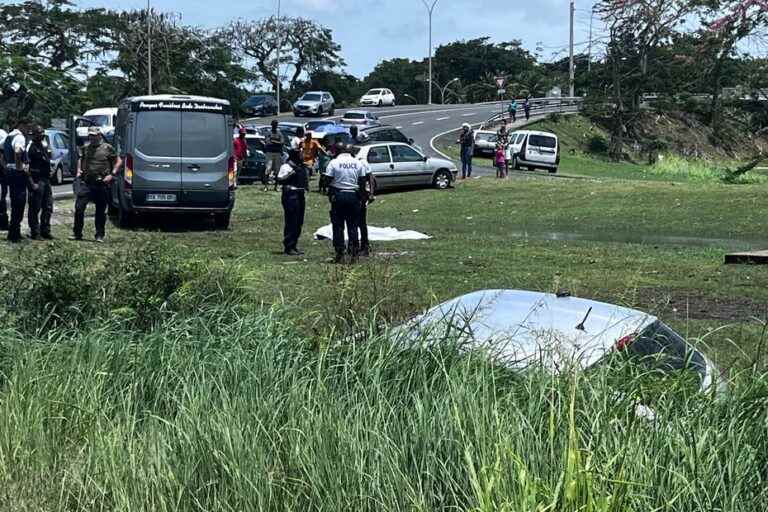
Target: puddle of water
643	239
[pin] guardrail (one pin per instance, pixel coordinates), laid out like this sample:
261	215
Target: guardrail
539	106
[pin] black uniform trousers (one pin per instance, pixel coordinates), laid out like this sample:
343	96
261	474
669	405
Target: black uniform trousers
95	193
294	206
363	224
40	208
17	190
345	211
3	201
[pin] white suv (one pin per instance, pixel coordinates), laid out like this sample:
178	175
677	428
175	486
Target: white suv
534	150
378	98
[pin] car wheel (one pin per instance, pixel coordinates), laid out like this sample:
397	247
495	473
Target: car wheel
221	220
125	219
320	112
442	179
515	163
381	103
553	171
58	176
333	109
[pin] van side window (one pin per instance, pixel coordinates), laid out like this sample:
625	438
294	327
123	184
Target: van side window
542	141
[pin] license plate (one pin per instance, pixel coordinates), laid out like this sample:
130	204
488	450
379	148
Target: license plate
161	198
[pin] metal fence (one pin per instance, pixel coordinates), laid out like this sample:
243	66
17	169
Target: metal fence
539	107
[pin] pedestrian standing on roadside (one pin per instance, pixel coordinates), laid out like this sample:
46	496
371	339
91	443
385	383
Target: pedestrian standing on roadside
96	168
346	177
274	153
240	151
467	144
17	177
502	134
40	197
527	108
513	110
500	161
3	185
295	181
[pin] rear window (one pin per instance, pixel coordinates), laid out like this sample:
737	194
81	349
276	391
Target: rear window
542	141
204	135
158	133
354	115
486	137
664	349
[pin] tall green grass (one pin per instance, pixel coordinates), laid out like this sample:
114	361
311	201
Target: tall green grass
223	412
676	167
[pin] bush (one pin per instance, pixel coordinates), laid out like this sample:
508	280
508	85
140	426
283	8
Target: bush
598	144
65	287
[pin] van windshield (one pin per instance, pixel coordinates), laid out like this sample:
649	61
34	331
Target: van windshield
542	141
158	134
98	120
205	134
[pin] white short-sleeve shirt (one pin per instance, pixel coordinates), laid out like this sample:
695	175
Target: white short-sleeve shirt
346	171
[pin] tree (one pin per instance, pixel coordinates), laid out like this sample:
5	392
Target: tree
305	47
44	46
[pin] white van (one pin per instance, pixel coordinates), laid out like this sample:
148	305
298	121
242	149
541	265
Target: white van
534	150
104	118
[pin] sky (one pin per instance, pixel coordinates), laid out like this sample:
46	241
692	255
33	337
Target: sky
370	31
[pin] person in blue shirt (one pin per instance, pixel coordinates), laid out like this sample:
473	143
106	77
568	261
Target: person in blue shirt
513	110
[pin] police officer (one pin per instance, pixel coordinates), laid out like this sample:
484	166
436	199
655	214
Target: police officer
367	197
274	153
40	195
295	181
3	185
346	177
96	168
17	178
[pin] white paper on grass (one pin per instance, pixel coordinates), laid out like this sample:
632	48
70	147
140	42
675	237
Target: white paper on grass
375	234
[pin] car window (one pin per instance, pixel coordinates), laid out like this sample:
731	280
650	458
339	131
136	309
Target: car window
204	134
542	141
354	115
58	141
255	144
157	133
373	92
405	154
663	348
378	155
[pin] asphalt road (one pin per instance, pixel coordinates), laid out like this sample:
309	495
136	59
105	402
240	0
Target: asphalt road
420	122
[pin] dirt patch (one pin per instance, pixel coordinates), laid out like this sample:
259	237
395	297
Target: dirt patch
695	305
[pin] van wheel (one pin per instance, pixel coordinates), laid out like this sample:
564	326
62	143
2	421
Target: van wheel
442	179
221	220
125	219
515	163
553	171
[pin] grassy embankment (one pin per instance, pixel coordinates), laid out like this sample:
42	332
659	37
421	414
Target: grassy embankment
207	375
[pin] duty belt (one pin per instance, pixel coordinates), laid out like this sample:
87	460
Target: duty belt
291	188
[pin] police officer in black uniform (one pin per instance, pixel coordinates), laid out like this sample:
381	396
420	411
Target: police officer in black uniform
366	198
346	177
295	181
41	195
3	185
17	177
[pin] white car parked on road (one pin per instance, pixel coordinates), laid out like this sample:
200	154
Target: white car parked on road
534	150
395	164
378	98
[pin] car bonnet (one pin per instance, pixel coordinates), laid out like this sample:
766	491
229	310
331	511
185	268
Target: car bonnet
519	327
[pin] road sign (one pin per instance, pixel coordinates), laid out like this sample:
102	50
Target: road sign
500	81
501	92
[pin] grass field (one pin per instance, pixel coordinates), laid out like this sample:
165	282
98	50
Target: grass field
207	372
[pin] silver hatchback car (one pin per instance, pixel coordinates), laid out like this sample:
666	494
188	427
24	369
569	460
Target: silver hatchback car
394	164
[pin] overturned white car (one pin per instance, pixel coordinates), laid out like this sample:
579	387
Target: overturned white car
520	328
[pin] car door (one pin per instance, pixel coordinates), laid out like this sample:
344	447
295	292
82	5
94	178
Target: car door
155	153
205	151
409	166
542	149
380	161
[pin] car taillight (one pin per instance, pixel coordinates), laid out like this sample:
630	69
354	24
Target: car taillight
128	173
231	172
626	341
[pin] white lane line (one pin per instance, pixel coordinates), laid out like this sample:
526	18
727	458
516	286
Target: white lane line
446	132
418	123
442	118
426	112
470	114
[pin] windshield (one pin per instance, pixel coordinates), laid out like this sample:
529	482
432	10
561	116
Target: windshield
354	115
311	97
255	144
314	125
373	92
98	120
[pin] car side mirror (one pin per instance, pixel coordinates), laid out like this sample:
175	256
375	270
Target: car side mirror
410	141
425	158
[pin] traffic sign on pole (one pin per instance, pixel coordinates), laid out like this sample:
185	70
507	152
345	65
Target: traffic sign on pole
500	81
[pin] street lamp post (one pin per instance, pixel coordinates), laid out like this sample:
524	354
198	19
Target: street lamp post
149	50
430	9
443	89
277	75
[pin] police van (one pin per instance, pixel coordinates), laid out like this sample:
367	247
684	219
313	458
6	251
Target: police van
177	154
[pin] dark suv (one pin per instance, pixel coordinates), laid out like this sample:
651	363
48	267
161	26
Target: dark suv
260	105
384	133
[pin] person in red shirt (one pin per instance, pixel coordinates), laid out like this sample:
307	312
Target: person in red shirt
240	150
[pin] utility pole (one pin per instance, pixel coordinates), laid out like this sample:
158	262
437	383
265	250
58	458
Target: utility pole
572	75
279	44
589	52
430	9
149	49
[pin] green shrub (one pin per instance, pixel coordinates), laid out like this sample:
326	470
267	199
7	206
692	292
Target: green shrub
598	144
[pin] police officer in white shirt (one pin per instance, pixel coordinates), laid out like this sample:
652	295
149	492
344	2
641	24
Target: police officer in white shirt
17	178
346	177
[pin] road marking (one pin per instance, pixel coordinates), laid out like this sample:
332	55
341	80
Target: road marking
470	114
418	123
443	111
442	118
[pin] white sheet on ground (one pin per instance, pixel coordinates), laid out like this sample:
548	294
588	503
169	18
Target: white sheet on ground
375	234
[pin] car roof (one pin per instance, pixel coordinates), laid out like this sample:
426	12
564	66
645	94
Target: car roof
101	111
521	326
489	132
316	92
176	97
536	132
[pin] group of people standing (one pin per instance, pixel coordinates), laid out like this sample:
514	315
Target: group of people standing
346	181
25	179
